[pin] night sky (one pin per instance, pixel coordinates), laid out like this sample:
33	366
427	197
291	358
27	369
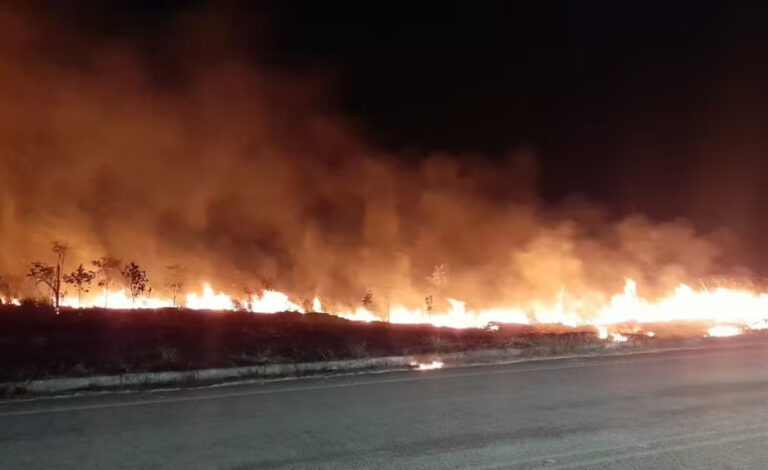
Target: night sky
652	107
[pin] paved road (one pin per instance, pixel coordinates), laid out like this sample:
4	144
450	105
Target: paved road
689	410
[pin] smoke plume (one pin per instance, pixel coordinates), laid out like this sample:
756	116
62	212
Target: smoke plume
247	176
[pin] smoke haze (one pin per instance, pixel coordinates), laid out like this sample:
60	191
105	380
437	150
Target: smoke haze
247	176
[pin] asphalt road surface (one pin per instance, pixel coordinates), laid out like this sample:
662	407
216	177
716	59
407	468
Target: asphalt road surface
686	410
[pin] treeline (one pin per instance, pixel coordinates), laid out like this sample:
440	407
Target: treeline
105	272
108	273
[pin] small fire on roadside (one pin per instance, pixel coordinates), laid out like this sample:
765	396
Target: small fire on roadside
427	365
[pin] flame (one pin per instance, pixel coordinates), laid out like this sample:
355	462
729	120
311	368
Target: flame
360	314
427	365
758	325
618	338
718	305
209	300
602	331
9	301
724	330
731	311
116	299
457	317
272	302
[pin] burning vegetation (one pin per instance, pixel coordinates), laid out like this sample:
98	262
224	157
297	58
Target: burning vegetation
730	311
240	188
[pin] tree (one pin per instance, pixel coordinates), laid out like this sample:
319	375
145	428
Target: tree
50	275
175	283
136	278
430	303
81	280
439	275
106	270
44	274
368	299
438	278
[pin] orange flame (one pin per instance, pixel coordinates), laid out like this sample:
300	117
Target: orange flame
721	306
9	301
724	330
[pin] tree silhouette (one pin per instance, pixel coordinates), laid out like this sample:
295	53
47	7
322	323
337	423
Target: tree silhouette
175	283
44	274
106	270
136	278
81	280
368	299
430	303
439	275
50	275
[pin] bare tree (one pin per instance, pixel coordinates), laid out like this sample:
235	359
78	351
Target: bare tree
80	279
43	274
175	282
50	275
239	305
106	270
438	278
368	299
136	278
430	303
439	275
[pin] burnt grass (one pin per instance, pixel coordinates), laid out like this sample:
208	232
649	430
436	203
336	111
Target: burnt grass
37	343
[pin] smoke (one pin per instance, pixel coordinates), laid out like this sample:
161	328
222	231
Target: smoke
246	176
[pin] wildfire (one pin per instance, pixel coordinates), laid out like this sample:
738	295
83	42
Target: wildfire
724	308
272	302
117	299
209	300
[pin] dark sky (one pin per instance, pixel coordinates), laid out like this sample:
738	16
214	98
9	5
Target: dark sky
656	107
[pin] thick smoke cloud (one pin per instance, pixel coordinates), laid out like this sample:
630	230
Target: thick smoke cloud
246	176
